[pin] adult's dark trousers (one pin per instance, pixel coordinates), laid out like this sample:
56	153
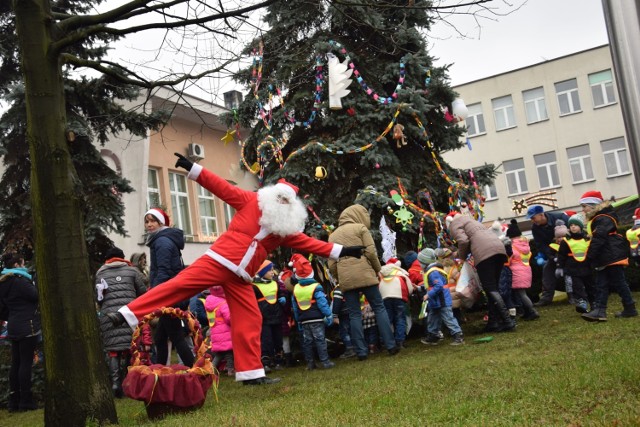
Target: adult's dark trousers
22	351
170	328
548	281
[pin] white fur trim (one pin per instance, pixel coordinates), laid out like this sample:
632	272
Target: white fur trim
335	251
250	375
287	188
194	173
156	214
128	315
590	201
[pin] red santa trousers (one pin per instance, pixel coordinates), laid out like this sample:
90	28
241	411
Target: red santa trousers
246	318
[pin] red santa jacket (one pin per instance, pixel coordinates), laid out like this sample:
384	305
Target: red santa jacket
244	245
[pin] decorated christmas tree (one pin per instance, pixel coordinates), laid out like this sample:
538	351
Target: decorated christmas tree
344	142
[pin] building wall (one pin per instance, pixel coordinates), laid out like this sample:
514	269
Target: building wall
156	152
557	133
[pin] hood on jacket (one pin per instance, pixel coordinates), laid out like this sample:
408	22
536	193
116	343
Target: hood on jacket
389	269
599	208
355	214
217	291
522	245
175	234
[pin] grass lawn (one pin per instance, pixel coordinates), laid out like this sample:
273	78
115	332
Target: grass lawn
556	371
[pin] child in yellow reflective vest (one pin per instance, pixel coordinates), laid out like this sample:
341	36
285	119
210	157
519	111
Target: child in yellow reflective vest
633	236
572	264
311	312
271	299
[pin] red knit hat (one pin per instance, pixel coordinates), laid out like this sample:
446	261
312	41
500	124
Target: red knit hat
636	214
591	198
301	267
288	187
160	215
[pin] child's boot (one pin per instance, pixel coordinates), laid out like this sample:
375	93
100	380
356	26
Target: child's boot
458	339
629	311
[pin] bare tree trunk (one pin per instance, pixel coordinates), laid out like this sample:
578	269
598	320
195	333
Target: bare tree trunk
77	385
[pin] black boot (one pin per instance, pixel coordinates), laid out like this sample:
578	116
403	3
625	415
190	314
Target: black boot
114	373
629	311
261	381
493	320
289	361
508	324
14	401
26	402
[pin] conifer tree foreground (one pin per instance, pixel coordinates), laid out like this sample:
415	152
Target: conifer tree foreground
384	42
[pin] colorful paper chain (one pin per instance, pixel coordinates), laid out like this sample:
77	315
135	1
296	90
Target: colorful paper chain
381	99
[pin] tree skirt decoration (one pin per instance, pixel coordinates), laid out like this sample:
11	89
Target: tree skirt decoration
175	388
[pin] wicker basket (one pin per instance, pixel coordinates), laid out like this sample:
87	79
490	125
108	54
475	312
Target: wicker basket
175	388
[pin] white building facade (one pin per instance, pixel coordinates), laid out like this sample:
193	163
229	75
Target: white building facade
554	130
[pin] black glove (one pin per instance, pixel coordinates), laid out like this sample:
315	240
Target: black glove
354	251
183	162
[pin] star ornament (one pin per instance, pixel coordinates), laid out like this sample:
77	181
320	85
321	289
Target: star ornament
228	137
518	206
403	216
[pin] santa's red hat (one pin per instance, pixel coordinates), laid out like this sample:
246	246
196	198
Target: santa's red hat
591	198
636	214
160	215
451	216
291	189
301	267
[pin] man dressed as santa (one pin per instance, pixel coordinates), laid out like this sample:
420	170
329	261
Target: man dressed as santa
264	220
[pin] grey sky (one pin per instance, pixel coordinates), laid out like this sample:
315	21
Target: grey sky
538	31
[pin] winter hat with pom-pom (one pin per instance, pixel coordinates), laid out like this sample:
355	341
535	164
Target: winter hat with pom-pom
451	216
636	214
513	230
591	198
427	256
301	267
576	220
160	215
394	261
560	229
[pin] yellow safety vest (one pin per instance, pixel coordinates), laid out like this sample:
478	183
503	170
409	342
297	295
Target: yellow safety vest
634	237
269	291
304	295
554	246
578	248
525	258
431	270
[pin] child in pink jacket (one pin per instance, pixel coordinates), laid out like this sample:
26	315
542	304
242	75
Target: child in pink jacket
220	328
521	274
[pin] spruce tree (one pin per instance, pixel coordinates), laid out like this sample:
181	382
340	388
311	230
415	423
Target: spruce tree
385	42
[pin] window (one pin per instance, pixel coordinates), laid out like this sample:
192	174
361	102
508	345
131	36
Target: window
547	167
490	192
228	214
602	88
534	105
153	189
614	152
207	205
180	202
503	112
580	163
516	179
475	120
568	99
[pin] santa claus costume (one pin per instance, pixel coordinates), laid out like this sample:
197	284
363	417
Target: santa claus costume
263	221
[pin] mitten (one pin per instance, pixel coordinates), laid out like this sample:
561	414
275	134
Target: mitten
354	251
328	321
183	162
282	300
559	273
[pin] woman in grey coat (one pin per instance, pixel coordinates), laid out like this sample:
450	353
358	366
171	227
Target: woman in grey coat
489	256
118	283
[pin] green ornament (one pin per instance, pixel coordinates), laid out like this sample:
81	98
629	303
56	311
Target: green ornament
403	216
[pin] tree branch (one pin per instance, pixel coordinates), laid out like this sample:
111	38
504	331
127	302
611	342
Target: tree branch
103	67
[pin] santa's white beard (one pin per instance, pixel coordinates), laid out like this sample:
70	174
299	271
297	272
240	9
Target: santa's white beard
282	219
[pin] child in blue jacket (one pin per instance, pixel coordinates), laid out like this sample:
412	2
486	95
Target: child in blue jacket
439	305
311	312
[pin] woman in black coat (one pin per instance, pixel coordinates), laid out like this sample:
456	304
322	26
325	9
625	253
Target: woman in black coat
19	293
